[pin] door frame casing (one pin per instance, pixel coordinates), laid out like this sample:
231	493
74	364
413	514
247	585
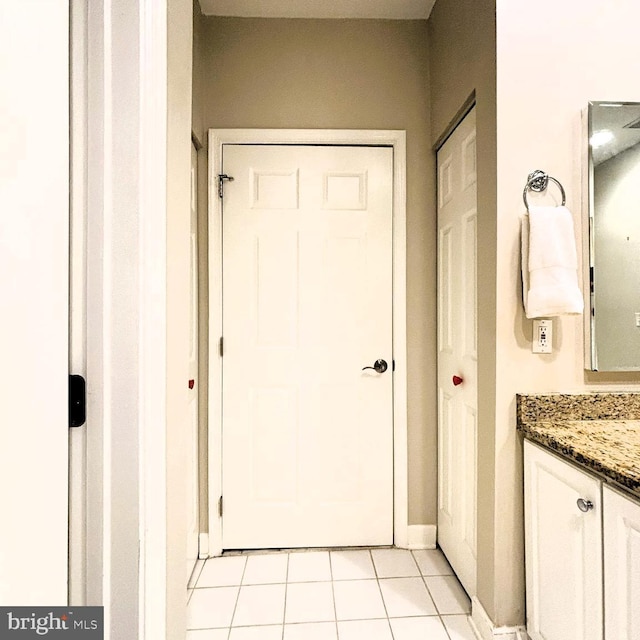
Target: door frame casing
396	139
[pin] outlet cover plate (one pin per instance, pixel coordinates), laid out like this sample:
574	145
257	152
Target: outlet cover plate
542	336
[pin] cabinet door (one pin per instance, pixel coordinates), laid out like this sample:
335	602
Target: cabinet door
621	567
563	549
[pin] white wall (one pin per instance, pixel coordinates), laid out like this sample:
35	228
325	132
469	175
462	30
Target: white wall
552	58
34	232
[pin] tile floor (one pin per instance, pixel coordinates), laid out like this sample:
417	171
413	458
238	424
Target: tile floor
376	594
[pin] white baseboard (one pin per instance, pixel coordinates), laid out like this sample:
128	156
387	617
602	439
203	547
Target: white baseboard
203	545
486	630
421	536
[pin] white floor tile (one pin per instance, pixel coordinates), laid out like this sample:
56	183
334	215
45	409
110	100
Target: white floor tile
269	568
309	602
208	634
429	628
406	597
210	608
271	632
222	572
311	631
260	605
364	630
352	565
358	600
394	563
432	562
312	566
459	627
448	595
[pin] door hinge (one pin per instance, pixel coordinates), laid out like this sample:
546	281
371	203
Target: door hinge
393	365
221	346
77	401
222	178
220	507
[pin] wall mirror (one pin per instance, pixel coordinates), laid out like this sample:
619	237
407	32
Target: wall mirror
614	235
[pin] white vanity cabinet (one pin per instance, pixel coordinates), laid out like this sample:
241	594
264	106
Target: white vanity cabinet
621	566
582	547
563	540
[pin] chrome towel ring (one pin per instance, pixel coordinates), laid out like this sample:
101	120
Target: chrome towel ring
538	181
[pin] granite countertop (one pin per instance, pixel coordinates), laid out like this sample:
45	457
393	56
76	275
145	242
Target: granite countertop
600	432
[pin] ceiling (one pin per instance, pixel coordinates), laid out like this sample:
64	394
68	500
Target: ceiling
381	9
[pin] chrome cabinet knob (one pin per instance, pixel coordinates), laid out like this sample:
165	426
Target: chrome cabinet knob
584	505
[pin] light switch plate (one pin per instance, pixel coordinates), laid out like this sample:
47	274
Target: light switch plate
542	336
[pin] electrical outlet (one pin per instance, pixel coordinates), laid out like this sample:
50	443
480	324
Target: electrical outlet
542	336
637	314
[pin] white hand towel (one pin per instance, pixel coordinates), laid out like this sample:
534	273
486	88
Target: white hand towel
549	264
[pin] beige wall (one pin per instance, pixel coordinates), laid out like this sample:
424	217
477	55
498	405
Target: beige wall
197	103
178	240
576	51
462	59
359	74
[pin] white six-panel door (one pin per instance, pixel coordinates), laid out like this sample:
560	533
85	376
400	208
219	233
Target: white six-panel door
307	290
457	351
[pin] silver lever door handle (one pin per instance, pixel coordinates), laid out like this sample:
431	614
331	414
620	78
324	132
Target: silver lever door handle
379	366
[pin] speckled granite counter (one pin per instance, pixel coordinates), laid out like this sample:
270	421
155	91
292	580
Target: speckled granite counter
598	431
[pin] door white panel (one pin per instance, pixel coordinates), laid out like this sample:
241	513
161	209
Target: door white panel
34	301
469	223
345	191
564	550
445	289
457	351
445	455
445	177
470	474
275	189
468	154
277	274
621	566
273	445
307	434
